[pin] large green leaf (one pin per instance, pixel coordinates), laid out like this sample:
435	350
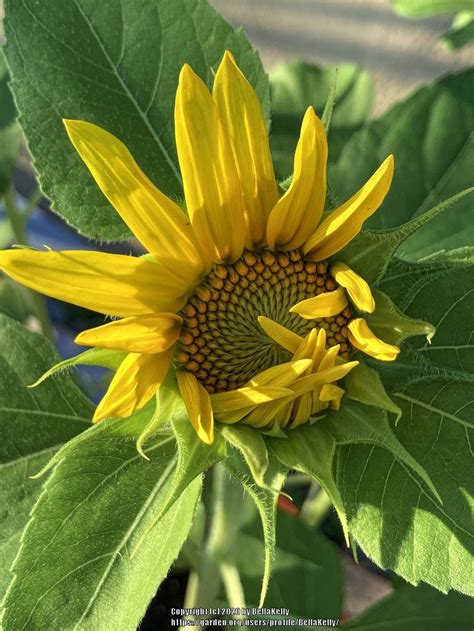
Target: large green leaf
392	516
443	293
416	609
98	544
116	64
297	85
9	130
431	137
33	425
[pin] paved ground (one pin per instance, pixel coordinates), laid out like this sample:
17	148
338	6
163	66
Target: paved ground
400	53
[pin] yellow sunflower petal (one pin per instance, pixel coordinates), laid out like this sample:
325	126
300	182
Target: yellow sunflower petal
135	382
198	404
247	396
307	346
272	412
302	410
280	334
297	213
210	179
143	334
161	226
366	341
332	394
344	223
325	305
330	357
242	118
308	382
319	350
357	288
282	375
112	284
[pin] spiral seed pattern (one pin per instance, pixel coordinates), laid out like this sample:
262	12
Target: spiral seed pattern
221	341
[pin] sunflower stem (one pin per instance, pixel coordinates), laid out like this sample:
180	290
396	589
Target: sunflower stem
213	565
18	218
233	586
316	506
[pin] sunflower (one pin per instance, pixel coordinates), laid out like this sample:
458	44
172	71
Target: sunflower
240	295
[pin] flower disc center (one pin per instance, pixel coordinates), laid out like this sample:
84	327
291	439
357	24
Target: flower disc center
222	343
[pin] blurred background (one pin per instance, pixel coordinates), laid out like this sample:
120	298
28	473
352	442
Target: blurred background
401	54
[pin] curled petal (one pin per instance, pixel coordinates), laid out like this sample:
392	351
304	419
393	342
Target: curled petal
143	334
361	337
242	119
282	375
112	284
296	215
246	397
344	223
135	382
198	404
325	305
210	178
280	334
158	223
357	288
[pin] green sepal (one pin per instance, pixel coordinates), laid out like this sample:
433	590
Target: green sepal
166	401
370	252
253	448
329	107
194	457
266	502
92	357
363	384
392	325
311	450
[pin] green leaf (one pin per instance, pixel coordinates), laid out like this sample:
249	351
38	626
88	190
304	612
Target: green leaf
307	574
462	31
297	85
9	130
431	137
370	252
98	545
266	503
394	519
445	294
416	609
115	64
33	425
427	8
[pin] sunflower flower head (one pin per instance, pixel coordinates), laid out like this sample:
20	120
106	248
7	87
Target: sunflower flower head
242	296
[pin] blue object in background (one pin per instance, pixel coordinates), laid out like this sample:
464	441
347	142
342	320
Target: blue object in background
46	229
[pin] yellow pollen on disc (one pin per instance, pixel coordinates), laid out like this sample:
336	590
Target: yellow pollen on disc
221	341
